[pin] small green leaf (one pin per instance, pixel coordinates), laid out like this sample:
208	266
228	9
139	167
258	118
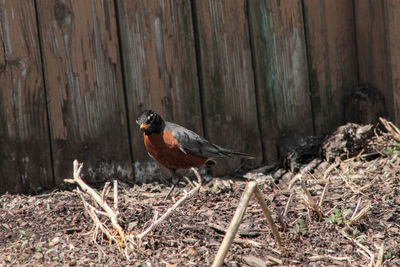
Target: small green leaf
360	238
355	231
24	243
346	212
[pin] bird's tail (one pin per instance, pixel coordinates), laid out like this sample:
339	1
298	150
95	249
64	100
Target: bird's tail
230	153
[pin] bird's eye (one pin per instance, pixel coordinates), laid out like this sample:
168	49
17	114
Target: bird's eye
150	117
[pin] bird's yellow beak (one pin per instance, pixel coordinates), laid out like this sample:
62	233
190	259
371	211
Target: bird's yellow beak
144	126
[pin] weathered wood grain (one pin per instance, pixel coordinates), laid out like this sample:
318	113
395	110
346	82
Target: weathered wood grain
228	93
392	13
25	163
280	59
160	67
84	88
373	48
332	58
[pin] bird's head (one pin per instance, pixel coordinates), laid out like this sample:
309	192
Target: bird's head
150	122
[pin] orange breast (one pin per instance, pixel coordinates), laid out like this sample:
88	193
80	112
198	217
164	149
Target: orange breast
165	149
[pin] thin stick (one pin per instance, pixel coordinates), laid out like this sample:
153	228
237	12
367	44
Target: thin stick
380	256
356	209
116	196
189	182
104	192
288	204
176	205
360	215
307	169
321	199
391	128
330	168
111	214
92	213
274	260
327	257
268	217
248	242
169	212
199	180
310	201
298	176
371	255
234	225
172	188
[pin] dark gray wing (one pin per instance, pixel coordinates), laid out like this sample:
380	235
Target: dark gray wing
192	143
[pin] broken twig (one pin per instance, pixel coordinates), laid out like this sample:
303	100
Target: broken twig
379	260
97	198
268	217
176	205
310	202
234	226
360	215
237	218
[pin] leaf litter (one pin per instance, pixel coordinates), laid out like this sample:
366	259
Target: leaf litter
352	175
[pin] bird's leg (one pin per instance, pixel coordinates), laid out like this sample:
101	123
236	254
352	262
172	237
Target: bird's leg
174	173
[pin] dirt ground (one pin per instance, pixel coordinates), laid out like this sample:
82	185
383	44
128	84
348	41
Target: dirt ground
356	169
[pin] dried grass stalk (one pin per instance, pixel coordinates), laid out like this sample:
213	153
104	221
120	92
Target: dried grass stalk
310	202
360	215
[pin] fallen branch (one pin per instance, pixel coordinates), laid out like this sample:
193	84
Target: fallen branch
176	205
97	198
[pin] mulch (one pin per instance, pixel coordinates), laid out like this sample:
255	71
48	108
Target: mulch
358	166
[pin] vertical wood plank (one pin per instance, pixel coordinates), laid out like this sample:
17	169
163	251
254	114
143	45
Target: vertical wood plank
25	162
280	58
392	11
332	58
84	85
160	67
228	93
373	48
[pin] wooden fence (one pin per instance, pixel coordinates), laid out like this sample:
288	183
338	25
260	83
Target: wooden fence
251	75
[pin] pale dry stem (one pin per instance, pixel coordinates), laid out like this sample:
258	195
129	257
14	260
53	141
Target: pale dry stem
97	198
174	207
310	202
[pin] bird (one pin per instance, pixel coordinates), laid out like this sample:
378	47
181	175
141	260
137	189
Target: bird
176	147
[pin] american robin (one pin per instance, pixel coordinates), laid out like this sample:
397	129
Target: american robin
176	147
